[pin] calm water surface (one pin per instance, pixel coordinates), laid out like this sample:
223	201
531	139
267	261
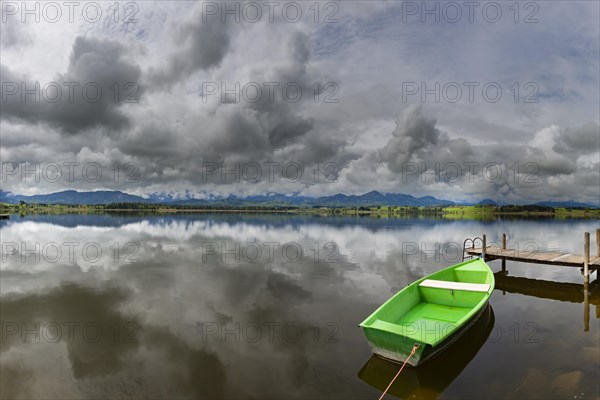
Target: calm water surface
250	306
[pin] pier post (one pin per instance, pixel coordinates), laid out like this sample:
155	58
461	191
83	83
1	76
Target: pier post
586	307
597	243
586	257
503	248
483	246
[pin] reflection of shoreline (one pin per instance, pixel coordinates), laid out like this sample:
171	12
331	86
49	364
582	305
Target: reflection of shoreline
277	219
429	380
374	211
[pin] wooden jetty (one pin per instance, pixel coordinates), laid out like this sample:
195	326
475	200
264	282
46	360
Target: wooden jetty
588	264
586	293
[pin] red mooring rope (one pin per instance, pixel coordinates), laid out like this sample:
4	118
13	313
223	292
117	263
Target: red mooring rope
415	347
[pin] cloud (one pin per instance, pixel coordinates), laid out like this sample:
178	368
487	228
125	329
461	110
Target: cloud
98	83
423	159
271	129
369	135
582	140
200	42
13	34
414	133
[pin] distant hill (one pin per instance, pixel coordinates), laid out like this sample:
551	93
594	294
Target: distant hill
73	197
488	202
376	198
566	204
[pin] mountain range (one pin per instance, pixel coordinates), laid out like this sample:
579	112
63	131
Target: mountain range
73	197
374	198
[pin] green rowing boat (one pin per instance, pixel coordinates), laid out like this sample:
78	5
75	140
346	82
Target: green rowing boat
431	313
429	381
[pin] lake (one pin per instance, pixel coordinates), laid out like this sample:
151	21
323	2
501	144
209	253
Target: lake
267	306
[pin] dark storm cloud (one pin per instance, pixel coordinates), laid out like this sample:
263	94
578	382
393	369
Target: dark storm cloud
241	131
414	132
287	131
284	124
582	140
258	128
547	164
420	152
99	80
155	141
201	43
317	147
237	133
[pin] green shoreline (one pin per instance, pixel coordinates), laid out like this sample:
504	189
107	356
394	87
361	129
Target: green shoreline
448	212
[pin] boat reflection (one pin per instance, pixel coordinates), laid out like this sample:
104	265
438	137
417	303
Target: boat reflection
429	380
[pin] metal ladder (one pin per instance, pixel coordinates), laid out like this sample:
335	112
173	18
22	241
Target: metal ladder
472	241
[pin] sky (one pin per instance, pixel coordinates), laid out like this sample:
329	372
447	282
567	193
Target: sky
457	100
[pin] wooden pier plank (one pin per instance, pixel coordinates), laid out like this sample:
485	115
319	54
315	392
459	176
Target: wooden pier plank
549	256
535	256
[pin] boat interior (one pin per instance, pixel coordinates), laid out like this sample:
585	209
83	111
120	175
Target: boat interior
432	308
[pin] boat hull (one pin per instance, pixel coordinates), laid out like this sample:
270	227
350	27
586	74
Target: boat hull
397	349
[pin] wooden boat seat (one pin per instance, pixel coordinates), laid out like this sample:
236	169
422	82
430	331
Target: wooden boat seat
470	287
